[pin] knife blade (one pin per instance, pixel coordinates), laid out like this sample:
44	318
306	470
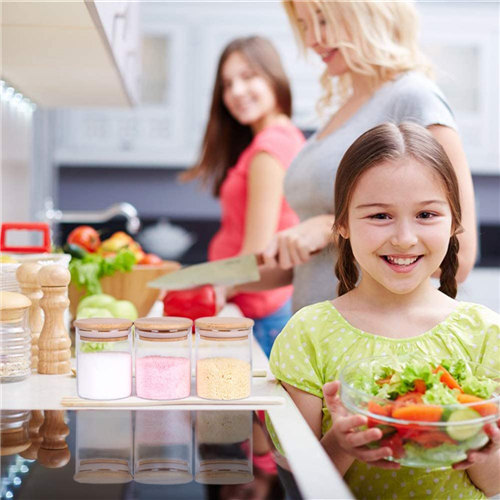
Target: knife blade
233	271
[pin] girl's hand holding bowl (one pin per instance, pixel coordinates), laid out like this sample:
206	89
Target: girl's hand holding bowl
347	434
480	456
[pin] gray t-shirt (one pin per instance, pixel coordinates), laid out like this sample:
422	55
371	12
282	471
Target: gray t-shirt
310	178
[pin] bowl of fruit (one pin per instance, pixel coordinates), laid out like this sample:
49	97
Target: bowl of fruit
430	412
117	267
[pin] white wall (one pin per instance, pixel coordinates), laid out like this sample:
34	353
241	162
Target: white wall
16	157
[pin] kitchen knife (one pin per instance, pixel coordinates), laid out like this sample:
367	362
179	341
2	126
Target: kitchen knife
227	272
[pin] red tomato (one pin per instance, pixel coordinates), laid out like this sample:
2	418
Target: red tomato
420	386
431	439
86	237
410	398
395	443
151	259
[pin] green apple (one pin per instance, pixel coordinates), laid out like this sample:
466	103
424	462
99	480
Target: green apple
93	312
96	300
123	309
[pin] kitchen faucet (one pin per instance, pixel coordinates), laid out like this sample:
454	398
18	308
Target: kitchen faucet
133	223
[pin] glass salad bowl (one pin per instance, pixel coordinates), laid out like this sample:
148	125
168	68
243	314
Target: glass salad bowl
431	412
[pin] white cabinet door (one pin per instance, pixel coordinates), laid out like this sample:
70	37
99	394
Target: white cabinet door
167	129
463	41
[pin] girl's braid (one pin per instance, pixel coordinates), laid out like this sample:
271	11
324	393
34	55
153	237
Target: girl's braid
449	266
345	268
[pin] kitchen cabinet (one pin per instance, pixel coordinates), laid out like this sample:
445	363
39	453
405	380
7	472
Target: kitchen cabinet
462	38
166	131
79	53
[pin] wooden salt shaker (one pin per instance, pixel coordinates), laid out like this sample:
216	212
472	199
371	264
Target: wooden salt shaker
54	343
54	452
34	425
27	277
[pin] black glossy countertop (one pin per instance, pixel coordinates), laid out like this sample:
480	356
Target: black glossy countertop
143	454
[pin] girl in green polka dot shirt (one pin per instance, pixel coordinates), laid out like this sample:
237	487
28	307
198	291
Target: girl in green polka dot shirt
397	214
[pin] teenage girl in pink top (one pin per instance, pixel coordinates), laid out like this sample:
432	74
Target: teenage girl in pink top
249	143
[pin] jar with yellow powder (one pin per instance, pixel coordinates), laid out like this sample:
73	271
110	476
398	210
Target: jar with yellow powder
223	358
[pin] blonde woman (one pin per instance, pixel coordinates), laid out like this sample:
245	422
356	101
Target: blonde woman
374	73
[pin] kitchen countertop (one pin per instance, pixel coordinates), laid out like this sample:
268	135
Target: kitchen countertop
315	478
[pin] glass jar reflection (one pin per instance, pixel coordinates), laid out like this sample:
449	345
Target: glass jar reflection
163	447
104	447
223	441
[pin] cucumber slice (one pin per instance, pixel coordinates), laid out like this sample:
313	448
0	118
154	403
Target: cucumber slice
463	432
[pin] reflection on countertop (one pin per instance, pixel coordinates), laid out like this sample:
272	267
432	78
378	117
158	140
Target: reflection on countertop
144	454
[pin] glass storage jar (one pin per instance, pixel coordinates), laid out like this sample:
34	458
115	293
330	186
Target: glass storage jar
223	358
103	358
163	357
15	337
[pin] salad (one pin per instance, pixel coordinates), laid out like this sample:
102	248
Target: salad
430	413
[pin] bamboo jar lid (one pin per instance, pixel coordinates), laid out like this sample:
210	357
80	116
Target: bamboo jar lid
163	329
103	324
163	324
103	329
221	324
13	306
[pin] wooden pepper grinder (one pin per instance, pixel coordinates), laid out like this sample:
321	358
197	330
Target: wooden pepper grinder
54	343
34	425
54	452
27	277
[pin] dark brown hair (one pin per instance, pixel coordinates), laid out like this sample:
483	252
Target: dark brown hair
225	138
389	142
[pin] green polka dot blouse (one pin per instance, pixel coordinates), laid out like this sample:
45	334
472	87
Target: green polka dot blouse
318	342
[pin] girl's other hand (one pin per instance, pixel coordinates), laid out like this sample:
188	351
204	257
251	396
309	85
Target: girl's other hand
488	451
294	246
349	438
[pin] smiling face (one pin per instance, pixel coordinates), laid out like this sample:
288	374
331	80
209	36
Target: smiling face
247	94
318	36
399	225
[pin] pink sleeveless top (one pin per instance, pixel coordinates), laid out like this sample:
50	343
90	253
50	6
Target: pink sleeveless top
282	142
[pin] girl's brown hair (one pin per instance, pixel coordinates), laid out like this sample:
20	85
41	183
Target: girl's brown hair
389	142
225	138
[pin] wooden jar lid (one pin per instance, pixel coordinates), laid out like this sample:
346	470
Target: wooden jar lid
89	326
13	305
220	323
103	324
163	324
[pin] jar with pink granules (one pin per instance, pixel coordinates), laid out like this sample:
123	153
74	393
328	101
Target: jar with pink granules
163	357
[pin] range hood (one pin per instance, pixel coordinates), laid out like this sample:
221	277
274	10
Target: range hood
72	53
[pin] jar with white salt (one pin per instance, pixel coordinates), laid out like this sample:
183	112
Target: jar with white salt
163	357
223	358
103	358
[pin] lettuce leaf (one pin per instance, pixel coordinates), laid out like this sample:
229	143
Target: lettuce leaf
87	271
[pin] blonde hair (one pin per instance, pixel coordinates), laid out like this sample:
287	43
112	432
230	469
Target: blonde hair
377	39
